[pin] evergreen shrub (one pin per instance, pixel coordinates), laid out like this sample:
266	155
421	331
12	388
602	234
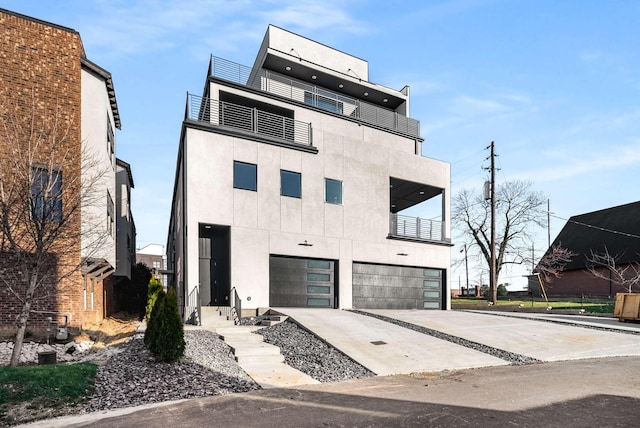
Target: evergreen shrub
165	332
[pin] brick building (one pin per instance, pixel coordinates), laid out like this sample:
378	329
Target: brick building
67	103
614	230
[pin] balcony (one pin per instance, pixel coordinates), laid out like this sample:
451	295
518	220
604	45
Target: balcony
278	84
248	120
416	228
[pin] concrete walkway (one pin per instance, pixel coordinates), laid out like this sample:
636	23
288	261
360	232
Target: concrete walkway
385	348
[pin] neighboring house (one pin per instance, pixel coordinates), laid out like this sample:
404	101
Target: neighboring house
292	181
125	237
153	256
47	61
616	230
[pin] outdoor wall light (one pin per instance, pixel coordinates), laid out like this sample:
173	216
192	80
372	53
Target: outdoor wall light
403	254
384	100
248	298
341	86
305	244
314	77
366	94
287	68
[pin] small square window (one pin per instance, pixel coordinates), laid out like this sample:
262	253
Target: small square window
333	191
290	184
245	176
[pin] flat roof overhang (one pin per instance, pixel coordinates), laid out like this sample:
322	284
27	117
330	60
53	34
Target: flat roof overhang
352	86
405	194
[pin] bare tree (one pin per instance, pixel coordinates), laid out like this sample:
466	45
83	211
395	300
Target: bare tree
517	211
46	180
552	264
606	266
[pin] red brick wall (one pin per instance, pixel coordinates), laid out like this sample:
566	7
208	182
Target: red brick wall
43	62
578	282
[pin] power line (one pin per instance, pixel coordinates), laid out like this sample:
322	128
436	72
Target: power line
603	229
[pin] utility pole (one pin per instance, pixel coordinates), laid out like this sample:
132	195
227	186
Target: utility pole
466	265
492	195
548	223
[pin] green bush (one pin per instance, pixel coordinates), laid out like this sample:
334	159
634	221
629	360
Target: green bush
164	336
502	291
153	289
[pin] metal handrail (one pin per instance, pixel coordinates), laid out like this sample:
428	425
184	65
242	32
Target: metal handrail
193	310
236	306
416	227
279	84
248	119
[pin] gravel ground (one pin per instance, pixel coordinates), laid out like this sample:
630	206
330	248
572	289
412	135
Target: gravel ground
131	377
307	353
513	358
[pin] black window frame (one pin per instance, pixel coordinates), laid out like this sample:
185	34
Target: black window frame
238	183
292	193
327	181
46	194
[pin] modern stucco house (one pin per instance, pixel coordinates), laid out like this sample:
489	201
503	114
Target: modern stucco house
46	74
292	181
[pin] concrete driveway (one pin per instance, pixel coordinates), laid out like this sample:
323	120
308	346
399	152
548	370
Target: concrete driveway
406	351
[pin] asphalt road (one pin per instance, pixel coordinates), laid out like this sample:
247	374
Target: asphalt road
602	392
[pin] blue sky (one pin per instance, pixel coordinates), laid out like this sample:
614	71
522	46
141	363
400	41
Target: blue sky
555	84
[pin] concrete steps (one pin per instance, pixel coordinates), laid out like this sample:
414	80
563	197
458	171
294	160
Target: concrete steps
262	361
214	317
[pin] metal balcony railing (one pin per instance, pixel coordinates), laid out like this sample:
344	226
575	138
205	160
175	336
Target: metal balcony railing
248	119
278	84
416	228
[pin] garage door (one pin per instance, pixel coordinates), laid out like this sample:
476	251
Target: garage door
396	287
297	282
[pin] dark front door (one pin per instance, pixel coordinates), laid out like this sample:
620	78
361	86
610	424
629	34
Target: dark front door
214	265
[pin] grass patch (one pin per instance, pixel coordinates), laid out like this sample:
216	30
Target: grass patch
44	388
590	306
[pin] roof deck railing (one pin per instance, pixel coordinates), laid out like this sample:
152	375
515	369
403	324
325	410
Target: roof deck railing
248	119
278	84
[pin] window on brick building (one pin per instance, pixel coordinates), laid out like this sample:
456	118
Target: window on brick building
46	194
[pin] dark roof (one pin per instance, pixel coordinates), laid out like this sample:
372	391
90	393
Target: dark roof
616	228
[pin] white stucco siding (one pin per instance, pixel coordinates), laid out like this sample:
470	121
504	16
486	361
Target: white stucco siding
314	52
96	110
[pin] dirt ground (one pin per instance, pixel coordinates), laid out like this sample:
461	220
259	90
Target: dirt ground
110	331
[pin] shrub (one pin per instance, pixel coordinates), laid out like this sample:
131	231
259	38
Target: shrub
154	288
502	291
165	333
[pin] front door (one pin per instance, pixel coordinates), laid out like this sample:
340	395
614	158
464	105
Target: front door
214	265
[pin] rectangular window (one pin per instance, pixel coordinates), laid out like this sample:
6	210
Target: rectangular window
245	176
318	302
319	264
333	191
290	184
431	305
46	194
432	273
111	141
318	276
318	289
431	294
431	283
110	216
